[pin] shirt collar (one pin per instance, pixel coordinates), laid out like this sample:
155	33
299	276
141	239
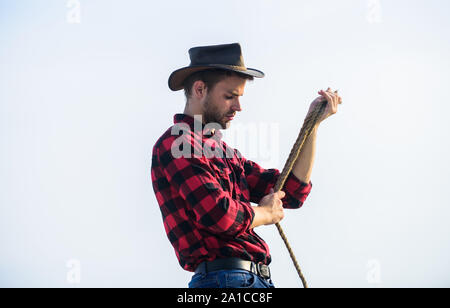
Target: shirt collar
196	123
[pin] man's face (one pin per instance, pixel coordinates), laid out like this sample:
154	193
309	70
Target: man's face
222	103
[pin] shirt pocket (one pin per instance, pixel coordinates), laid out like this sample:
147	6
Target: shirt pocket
223	175
243	191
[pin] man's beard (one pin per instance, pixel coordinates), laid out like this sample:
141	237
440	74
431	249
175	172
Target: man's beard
211	114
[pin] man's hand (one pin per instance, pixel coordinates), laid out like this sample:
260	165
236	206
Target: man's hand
333	100
270	209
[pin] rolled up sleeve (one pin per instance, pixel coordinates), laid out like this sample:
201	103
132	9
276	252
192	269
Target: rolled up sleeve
296	192
261	180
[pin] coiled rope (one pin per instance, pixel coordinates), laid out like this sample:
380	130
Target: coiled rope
306	130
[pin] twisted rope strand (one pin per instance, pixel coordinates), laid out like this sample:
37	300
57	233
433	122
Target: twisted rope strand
305	131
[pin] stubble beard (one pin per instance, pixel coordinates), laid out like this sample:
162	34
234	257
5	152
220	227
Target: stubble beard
212	115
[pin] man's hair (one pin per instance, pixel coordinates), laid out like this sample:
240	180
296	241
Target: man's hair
210	77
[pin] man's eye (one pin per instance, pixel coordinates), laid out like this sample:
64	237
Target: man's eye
228	97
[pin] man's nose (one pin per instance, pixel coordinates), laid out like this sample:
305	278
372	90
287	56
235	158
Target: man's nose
237	105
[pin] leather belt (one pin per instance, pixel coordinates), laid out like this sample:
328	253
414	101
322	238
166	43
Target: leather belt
259	269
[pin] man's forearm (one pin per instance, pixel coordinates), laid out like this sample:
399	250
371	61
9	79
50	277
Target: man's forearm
302	170
303	165
260	218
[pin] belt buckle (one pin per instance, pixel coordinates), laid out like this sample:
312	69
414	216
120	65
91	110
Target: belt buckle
263	270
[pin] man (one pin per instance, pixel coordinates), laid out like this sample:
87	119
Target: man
205	199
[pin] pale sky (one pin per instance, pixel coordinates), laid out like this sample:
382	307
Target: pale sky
84	97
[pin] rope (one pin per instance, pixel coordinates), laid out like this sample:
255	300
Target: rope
306	130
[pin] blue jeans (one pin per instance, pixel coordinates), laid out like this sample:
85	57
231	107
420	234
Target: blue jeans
229	279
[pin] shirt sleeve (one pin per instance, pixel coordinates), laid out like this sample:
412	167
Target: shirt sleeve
214	208
261	180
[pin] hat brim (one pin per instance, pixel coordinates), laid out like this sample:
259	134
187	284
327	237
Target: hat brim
177	77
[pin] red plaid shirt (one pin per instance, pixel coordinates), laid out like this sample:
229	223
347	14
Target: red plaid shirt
205	202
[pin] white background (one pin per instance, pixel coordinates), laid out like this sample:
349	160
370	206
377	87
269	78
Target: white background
81	105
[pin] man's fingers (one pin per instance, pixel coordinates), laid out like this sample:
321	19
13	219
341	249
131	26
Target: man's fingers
332	97
326	95
279	194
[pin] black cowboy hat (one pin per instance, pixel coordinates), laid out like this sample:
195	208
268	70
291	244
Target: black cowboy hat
225	56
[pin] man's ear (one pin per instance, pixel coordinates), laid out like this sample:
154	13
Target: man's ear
199	89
